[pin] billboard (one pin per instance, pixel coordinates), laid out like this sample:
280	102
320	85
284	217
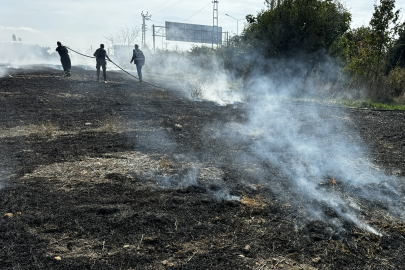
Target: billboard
193	33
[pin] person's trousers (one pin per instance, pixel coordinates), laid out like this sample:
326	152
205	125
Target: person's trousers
66	64
139	70
103	64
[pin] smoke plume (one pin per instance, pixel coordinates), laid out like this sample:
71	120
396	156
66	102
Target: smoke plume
298	149
199	77
309	146
17	54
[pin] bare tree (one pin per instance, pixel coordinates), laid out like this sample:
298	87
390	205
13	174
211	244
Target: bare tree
124	36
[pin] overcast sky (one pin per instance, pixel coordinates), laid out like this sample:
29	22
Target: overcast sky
84	23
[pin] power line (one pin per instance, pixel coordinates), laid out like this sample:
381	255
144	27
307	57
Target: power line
160	5
155	21
175	4
197	12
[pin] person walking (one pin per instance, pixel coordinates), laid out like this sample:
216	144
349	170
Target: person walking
139	61
100	55
64	58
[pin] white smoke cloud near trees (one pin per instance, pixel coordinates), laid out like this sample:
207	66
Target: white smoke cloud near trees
309	145
200	77
306	144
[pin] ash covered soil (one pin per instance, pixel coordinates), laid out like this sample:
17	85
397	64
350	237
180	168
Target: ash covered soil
124	175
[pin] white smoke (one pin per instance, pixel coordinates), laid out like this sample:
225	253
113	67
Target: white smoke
308	146
199	77
295	149
190	169
27	29
3	71
21	55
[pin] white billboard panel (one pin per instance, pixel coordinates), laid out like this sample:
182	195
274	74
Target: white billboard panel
193	33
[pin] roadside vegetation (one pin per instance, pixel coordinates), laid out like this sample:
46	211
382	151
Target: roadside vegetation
371	57
369	60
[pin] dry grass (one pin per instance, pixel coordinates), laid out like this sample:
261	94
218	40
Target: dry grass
43	130
257	201
196	90
69	95
14	132
94	170
112	125
160	94
164	163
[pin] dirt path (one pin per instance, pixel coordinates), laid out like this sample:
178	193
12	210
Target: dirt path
126	176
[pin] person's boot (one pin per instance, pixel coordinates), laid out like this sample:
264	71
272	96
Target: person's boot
105	79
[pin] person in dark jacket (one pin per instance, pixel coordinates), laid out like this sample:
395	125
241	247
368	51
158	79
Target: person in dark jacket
64	58
139	61
100	55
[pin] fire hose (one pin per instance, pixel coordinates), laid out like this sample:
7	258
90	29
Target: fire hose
120	69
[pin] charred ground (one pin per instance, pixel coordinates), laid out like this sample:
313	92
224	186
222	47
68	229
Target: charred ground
86	163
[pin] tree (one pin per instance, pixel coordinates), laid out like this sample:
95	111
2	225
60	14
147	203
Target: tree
384	26
396	54
358	51
124	36
289	27
14	37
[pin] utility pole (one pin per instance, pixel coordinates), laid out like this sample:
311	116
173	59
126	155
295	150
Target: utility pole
145	17
215	23
237	23
153	30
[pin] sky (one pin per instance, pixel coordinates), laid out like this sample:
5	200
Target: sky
83	24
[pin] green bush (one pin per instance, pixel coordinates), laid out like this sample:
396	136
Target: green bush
396	81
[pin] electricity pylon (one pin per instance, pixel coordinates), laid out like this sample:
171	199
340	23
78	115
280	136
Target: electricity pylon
145	17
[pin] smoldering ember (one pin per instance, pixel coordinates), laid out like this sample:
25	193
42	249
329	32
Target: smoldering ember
126	175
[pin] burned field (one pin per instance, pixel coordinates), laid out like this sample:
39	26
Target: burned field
128	176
